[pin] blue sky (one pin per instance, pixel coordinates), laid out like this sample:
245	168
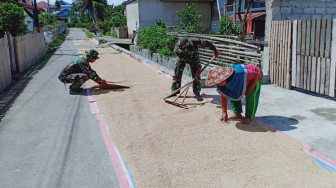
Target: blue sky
110	2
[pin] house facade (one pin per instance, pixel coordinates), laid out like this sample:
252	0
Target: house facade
141	13
258	10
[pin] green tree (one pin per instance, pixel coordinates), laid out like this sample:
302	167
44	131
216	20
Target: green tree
12	19
118	19
190	19
84	5
226	27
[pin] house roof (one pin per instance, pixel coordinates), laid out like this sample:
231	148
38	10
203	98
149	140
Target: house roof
43	4
254	15
64	3
130	1
63	13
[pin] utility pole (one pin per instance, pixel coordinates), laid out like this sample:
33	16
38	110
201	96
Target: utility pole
36	20
219	12
48	7
234	12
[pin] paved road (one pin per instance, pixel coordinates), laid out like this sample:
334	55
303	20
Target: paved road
49	138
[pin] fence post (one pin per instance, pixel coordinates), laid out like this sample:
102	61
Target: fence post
294	52
333	61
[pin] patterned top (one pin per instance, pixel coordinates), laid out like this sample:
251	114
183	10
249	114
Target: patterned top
185	48
80	65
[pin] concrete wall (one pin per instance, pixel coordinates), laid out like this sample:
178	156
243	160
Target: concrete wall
132	13
303	9
166	11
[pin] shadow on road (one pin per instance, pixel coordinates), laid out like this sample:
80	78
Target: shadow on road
279	123
95	90
251	128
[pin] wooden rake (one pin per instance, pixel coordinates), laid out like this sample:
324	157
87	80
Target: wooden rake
184	89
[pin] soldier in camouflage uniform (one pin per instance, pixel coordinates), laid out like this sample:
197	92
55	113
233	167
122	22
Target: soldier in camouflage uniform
187	52
79	71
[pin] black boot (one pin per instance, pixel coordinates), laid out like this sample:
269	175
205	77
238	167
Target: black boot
198	97
75	88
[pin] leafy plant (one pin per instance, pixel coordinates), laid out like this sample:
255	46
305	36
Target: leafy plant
160	23
84	25
102	41
226	27
48	21
155	39
12	19
190	19
89	34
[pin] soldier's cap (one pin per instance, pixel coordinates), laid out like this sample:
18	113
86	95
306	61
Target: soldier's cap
183	40
217	75
93	53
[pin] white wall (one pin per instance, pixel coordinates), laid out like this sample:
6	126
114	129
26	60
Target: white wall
132	13
166	11
29	22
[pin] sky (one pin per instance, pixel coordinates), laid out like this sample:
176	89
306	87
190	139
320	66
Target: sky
110	2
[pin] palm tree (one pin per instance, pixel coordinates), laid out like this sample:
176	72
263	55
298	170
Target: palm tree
84	5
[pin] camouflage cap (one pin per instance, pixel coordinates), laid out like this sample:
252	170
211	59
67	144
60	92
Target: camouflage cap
93	53
183	40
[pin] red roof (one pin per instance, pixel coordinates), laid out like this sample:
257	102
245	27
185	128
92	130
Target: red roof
43	4
254	15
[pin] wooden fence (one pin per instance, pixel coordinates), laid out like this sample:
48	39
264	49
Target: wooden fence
5	68
301	55
231	51
280	53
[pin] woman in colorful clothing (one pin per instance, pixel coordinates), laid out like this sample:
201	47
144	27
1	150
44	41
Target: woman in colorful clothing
233	83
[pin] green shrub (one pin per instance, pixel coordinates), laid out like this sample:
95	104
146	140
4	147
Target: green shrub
102	41
104	26
114	34
226	27
190	19
155	39
84	25
70	24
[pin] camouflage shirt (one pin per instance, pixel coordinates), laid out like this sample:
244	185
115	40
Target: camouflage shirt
186	48
81	65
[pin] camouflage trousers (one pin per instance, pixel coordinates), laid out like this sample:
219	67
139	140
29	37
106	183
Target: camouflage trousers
195	66
77	80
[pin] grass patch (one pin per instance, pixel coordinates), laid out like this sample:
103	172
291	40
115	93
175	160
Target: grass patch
102	41
89	34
